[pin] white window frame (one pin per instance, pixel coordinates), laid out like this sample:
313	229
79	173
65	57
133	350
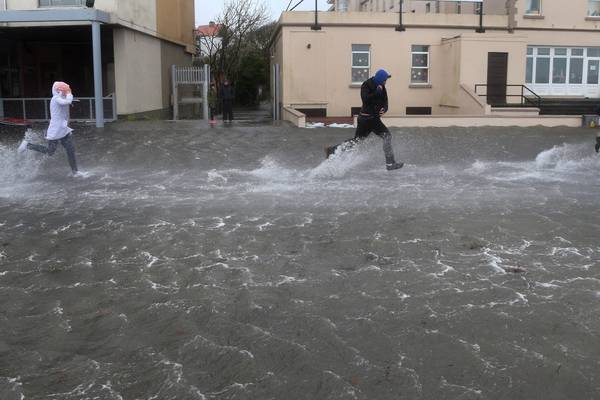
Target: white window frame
428	53
353	67
527	8
593	8
578	57
553	58
570	88
81	3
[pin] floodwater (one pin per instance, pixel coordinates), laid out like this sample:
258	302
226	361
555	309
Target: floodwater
235	263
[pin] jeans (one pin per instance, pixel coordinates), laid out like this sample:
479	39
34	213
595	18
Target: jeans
67	143
366	125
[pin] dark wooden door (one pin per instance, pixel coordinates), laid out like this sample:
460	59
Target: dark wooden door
496	78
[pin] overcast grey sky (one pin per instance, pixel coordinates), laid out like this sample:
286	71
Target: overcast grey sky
207	10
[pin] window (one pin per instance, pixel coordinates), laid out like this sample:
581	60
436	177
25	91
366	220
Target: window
592	75
361	62
532	7
576	66
563	66
542	65
529	70
419	73
594	8
428	8
62	3
559	66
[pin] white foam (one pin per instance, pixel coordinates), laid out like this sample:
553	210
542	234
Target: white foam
560	163
344	126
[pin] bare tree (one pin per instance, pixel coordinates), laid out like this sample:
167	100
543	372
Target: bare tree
208	48
238	20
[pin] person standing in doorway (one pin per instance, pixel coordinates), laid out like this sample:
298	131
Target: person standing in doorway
374	105
227	94
58	130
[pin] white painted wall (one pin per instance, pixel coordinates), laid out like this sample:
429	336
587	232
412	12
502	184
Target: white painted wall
137	72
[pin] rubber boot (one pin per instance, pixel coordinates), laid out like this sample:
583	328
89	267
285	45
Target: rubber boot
393	166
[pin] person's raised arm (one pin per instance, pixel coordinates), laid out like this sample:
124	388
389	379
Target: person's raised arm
66	100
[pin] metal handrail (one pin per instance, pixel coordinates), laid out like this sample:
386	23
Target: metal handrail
524	98
46	101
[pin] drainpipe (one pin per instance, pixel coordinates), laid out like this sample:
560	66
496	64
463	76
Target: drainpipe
400	27
5	5
316	26
480	29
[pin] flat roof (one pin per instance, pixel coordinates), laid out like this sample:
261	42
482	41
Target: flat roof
56	15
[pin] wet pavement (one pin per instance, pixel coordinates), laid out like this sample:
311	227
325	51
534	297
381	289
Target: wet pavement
235	263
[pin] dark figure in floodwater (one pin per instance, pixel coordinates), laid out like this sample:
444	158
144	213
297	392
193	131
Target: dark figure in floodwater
58	130
227	95
374	105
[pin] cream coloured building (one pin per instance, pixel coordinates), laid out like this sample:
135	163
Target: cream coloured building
532	51
46	40
416	6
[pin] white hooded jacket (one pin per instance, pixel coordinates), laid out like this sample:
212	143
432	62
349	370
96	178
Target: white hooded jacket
59	114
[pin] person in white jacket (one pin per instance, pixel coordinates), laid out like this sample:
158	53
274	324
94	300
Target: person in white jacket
58	130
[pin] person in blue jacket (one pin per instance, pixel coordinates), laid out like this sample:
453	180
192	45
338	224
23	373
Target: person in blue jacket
374	105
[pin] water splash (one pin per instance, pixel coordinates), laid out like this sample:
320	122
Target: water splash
568	158
565	162
18	167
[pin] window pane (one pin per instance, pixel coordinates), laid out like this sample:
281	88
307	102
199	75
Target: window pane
419	60
529	71
543	51
560	52
542	70
360	59
530	51
593	8
593	66
594	52
559	70
419	75
360	74
361	47
532	7
576	70
420	48
577	52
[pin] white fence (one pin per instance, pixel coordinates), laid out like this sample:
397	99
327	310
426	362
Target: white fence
38	109
197	76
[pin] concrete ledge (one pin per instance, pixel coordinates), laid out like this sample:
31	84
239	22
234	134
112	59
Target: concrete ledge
294	116
443	121
533	16
515	111
55	15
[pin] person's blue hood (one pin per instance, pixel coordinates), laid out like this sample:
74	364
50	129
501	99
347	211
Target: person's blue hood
381	76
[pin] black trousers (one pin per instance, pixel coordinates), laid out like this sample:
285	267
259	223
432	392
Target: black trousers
227	110
366	126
